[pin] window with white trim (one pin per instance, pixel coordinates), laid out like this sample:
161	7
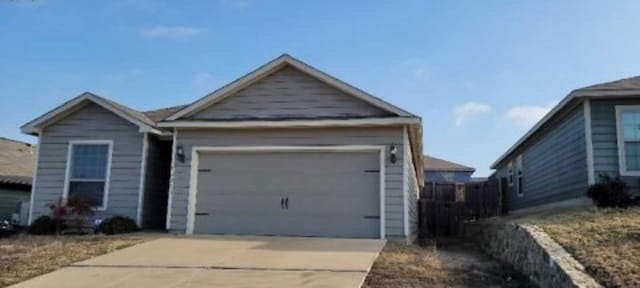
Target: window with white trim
88	171
629	139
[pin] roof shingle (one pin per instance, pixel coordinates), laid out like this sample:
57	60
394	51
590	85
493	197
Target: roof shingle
16	161
160	114
436	164
631	83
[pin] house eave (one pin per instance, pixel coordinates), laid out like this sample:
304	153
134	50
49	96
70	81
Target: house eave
35	126
292	123
450	170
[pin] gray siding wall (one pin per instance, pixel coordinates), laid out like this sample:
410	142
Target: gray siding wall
156	183
92	122
413	195
299	137
292	94
9	199
554	166
605	142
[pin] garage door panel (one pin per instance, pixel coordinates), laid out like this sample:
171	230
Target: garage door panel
333	194
241	224
338	204
333	226
233	203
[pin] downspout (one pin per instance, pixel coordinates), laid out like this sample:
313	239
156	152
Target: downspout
33	179
143	176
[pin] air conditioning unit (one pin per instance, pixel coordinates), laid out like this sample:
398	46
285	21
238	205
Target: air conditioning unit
21	216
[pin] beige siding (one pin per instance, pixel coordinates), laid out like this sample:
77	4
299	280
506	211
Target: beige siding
295	137
289	93
91	122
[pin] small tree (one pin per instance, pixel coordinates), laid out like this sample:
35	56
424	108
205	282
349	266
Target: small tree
58	213
73	213
80	209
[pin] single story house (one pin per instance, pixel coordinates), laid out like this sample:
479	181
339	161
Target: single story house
284	150
593	131
16	169
439	170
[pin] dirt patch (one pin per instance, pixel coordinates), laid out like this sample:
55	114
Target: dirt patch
26	256
605	241
443	263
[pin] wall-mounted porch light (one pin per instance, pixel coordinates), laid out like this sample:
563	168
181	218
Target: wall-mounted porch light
180	153
393	151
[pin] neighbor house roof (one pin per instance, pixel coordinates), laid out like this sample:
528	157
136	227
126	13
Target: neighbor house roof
436	164
632	83
627	87
16	162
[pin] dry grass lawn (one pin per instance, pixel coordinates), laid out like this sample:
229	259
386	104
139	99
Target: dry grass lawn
605	241
26	256
451	263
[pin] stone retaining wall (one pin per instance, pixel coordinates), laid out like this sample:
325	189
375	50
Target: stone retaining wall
531	251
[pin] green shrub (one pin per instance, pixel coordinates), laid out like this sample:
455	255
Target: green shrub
44	225
117	225
610	192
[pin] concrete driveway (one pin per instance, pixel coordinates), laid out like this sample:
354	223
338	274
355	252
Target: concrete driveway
223	261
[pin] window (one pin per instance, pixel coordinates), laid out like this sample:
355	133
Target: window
519	179
88	171
448	176
628	121
510	173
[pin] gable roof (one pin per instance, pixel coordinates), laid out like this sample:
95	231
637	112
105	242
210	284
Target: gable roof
275	65
436	164
627	87
137	118
16	162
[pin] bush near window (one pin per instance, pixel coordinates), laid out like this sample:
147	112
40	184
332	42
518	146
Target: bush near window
44	225
117	225
80	211
610	192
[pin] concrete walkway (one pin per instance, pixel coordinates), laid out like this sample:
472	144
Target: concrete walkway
223	261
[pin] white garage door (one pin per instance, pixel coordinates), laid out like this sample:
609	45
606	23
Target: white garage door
328	194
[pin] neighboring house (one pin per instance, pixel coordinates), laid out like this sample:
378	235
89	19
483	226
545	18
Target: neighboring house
439	170
283	150
479	179
593	131
16	170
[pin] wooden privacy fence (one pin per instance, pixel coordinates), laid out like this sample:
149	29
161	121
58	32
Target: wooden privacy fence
444	207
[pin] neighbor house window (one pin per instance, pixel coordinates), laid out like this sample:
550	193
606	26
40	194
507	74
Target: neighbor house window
628	121
519	179
510	173
448	176
88	171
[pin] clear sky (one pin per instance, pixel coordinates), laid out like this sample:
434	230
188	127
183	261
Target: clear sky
479	73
